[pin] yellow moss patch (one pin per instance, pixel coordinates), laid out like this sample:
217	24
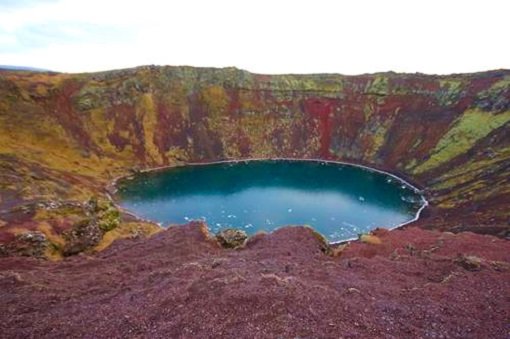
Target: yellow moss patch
17	230
467	130
410	164
476	191
216	100
127	230
56	242
147	111
255	127
380	85
471	169
227	130
47	230
500	85
99	127
447	204
337	251
368	109
370	239
450	91
71	214
378	138
175	154
49	144
289	83
53	254
248	102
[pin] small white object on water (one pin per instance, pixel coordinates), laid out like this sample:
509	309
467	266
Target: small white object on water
186	218
231	216
361	198
289	210
335	235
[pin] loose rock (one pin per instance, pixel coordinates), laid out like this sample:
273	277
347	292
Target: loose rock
231	238
27	244
84	235
469	262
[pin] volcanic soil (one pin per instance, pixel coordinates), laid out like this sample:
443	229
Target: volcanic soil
289	283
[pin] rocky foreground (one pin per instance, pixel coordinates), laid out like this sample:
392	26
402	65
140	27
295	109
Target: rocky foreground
181	283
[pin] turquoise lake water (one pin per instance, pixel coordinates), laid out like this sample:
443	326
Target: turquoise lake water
340	201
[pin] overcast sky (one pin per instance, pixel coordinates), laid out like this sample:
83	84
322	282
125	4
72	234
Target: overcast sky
263	36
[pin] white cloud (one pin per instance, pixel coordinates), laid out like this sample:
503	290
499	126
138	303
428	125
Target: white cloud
262	36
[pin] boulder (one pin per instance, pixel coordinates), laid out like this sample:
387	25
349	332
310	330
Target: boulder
231	238
82	236
469	262
27	244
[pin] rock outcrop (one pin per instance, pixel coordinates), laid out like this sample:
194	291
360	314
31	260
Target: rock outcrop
231	238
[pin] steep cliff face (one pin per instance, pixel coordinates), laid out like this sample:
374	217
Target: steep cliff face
65	136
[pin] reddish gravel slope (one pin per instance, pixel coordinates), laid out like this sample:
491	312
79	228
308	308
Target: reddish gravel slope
179	283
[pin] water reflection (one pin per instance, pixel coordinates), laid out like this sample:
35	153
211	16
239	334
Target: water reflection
339	201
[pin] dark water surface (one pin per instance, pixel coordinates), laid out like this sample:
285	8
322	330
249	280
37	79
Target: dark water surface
340	201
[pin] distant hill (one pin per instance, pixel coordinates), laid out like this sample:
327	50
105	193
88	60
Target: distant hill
23	68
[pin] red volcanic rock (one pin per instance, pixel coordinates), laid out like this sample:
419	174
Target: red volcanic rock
180	283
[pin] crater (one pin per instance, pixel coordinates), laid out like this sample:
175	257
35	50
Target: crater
338	200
